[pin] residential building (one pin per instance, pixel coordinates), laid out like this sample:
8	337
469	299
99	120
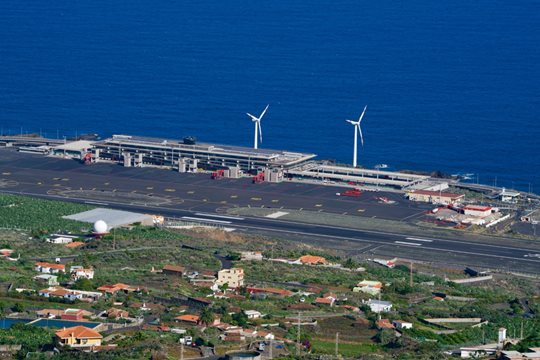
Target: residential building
114	313
72	314
234	277
55	291
79	337
113	289
312	260
368	287
384	324
400	324
174	270
378	306
47	279
251	255
435	197
78	272
252	314
190	319
49	268
325	301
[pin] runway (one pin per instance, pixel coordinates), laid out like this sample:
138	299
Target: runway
195	197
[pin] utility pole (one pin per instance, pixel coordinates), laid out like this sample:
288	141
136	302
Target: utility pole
298	337
337	345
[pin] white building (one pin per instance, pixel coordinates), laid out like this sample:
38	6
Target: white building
378	306
476	210
509	196
233	277
368	287
251	255
252	314
400	324
78	272
61	239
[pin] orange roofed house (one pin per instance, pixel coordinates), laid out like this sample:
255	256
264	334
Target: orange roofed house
312	260
79	337
113	289
49	268
191	319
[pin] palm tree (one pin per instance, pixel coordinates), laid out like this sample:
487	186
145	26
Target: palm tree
207	316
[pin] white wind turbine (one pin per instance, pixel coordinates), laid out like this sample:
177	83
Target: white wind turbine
357	127
258	130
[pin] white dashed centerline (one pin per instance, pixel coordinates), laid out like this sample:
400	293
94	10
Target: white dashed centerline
407	243
418	239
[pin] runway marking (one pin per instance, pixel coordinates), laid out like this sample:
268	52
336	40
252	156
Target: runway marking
57	185
407	243
277	214
149	188
234	196
318	205
170	190
114	190
223	202
207	220
220	216
191	192
134	191
56	178
6	173
204	200
419	239
39	183
106	183
275	201
361	210
256	199
65	179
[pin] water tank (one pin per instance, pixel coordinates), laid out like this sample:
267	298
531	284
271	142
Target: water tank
243	355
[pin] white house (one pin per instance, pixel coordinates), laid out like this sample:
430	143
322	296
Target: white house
251	255
400	324
368	287
78	272
252	314
509	196
378	306
49	268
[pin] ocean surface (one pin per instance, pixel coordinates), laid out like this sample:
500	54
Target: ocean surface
451	86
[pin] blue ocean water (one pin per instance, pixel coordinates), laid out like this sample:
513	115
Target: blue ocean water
451	86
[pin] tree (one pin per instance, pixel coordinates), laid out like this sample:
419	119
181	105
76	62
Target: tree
18	307
240	318
207	316
350	264
83	284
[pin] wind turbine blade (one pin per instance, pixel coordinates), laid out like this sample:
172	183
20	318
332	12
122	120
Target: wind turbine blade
361	136
260	130
264	111
350	121
363	112
251	116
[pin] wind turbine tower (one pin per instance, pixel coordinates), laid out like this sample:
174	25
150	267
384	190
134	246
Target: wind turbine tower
357	130
258	130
